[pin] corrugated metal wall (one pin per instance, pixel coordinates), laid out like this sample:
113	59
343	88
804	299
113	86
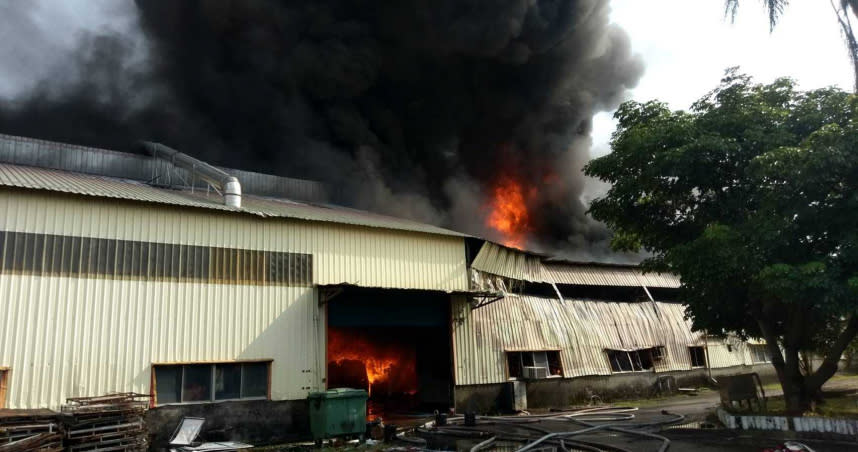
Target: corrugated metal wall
581	330
368	257
65	337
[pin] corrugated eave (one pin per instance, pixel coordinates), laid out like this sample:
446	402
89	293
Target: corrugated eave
34	178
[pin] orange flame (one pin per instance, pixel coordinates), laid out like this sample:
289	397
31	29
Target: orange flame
383	361
509	214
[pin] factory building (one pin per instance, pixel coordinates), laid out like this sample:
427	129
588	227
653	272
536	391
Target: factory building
559	333
232	295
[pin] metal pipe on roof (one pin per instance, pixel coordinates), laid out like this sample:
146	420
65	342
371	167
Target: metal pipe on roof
218	178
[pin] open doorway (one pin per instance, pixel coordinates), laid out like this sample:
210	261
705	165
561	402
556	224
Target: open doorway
393	343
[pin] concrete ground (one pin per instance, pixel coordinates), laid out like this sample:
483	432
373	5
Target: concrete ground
696	408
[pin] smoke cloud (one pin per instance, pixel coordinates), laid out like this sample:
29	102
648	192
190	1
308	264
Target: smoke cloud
406	107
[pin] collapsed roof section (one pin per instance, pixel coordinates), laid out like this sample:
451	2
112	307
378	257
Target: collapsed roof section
503	271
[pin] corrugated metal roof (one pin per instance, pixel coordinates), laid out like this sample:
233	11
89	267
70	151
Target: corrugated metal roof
516	264
509	263
103	162
83	184
607	275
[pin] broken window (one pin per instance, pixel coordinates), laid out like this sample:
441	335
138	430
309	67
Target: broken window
209	382
534	365
4	384
698	356
760	353
634	360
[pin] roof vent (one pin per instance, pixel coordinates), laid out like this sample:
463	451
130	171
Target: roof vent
217	178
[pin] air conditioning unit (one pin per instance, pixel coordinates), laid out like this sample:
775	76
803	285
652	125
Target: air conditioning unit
533	373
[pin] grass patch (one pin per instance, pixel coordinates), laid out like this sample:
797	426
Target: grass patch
841	404
657	401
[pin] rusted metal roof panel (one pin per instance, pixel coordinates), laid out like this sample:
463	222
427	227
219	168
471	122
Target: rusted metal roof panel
105	187
580	329
607	275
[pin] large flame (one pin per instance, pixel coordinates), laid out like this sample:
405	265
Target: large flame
385	362
509	214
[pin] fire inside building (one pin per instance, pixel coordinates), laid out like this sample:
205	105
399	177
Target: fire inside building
233	295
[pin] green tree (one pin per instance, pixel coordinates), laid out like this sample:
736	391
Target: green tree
752	198
775	9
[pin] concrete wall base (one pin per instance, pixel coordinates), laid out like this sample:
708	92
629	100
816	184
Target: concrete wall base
256	422
564	392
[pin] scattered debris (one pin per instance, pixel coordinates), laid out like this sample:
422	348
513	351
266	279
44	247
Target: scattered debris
30	430
112	422
187	432
585	429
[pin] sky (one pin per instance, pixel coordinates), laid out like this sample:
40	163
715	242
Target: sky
687	44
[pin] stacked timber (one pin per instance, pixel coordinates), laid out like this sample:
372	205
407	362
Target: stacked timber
112	422
30	430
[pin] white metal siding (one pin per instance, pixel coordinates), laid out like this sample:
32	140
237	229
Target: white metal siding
581	330
67	337
364	256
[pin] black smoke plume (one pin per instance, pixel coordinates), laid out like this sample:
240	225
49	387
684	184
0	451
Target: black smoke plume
408	107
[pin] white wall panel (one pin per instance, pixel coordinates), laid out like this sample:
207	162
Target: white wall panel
368	257
67	337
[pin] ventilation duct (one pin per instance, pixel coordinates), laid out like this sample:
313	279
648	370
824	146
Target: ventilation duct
217	178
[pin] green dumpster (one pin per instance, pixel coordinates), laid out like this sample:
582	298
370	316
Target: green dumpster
337	412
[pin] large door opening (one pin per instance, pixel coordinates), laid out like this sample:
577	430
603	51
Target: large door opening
393	343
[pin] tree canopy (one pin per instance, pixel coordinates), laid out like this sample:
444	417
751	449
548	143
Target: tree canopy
752	197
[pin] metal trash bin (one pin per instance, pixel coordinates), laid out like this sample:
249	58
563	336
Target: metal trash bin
338	412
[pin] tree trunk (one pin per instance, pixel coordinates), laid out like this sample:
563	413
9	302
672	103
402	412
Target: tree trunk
786	364
801	391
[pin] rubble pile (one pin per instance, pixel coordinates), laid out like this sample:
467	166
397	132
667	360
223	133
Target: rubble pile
112	422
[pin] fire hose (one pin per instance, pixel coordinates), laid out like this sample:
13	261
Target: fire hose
584	417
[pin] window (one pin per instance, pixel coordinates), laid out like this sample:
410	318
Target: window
211	382
634	360
4	384
760	353
698	356
534	365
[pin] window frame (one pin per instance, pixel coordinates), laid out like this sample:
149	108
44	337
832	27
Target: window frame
520	353
212	380
704	354
766	355
638	351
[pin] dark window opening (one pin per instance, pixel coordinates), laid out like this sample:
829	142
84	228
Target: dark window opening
698	356
211	382
634	360
534	365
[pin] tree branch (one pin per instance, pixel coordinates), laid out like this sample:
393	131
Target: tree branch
832	357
